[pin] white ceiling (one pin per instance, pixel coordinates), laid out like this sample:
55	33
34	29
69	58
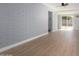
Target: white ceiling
72	8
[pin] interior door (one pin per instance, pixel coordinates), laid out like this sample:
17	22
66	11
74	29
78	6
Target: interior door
49	21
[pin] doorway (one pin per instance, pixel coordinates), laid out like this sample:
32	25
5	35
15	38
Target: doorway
67	23
50	21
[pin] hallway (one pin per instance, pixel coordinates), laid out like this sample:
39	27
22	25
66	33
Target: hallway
60	43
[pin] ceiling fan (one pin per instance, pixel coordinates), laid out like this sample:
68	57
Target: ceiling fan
64	4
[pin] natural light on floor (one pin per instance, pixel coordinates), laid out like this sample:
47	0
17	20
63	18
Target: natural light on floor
67	28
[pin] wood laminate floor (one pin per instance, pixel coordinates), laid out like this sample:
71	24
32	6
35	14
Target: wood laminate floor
60	43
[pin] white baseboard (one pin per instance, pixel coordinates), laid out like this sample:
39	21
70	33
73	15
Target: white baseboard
19	43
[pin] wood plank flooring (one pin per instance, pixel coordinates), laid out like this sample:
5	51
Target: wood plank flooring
60	43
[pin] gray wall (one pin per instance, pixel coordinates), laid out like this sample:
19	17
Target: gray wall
76	23
19	22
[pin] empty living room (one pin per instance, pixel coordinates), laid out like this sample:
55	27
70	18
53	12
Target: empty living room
39	29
